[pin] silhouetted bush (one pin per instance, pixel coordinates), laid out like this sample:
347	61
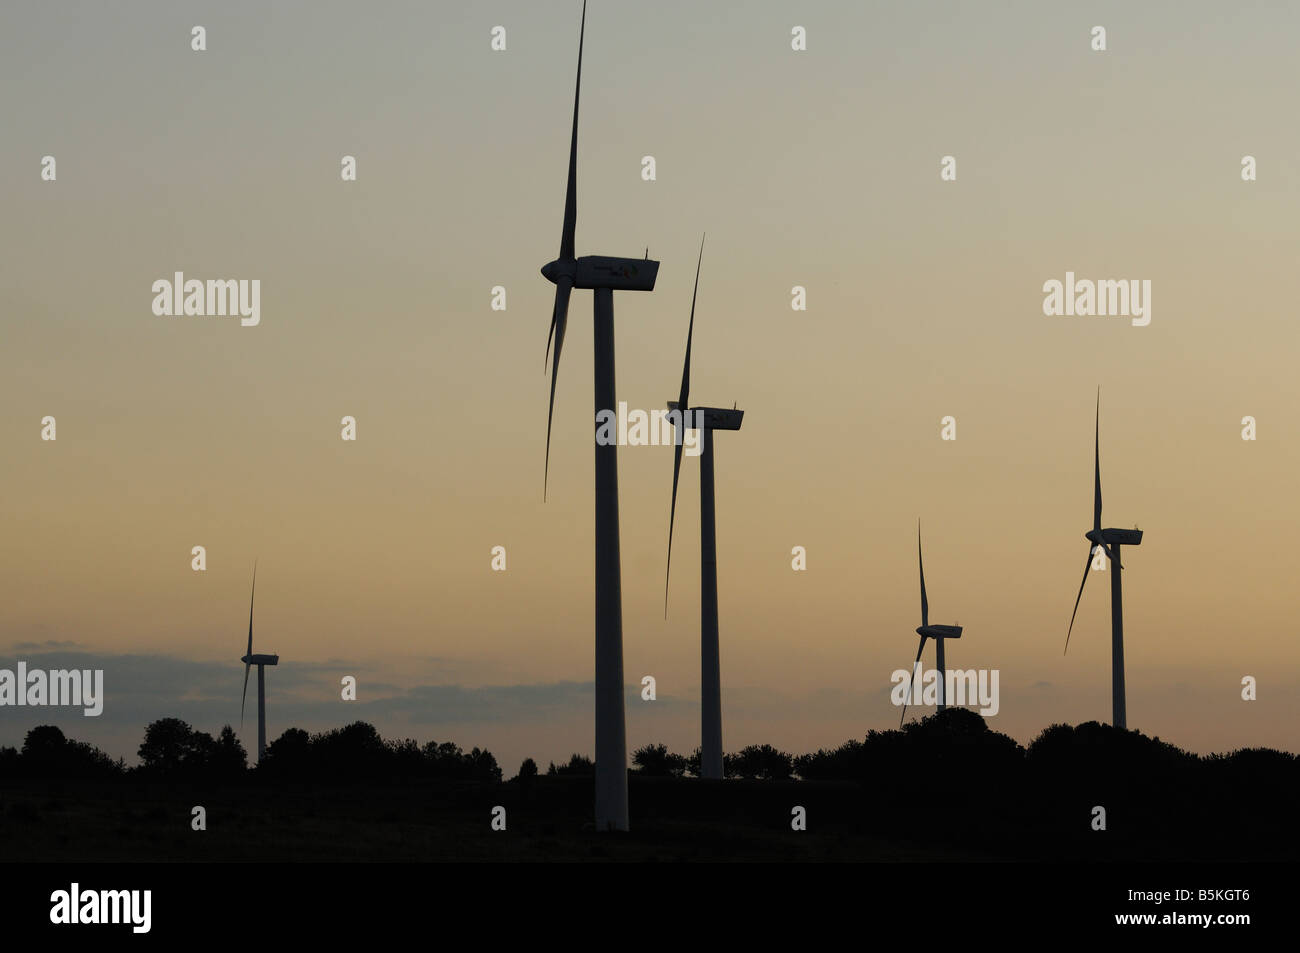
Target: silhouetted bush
955	742
1113	760
1094	745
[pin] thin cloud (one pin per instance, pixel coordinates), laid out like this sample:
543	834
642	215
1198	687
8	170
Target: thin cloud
142	688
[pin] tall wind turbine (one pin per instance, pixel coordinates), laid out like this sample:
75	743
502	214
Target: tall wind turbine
710	419
604	275
261	661
928	631
1108	541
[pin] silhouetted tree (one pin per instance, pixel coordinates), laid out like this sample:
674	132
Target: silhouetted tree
579	765
172	747
354	749
169	747
527	778
696	757
849	760
483	765
448	761
406	759
658	761
761	761
43	743
288	755
47	753
444	760
228	756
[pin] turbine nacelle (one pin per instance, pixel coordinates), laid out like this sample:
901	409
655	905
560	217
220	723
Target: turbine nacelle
939	631
713	418
261	660
601	271
1112	537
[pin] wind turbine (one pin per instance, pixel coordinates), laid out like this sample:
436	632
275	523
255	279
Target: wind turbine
710	419
1108	541
928	631
261	661
604	275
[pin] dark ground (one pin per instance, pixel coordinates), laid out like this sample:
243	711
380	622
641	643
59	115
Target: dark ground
139	819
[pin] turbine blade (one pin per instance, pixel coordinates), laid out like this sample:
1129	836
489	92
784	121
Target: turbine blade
1087	567
571	195
911	677
248	665
925	603
672	517
250	609
682	404
550	336
690	334
1096	471
559	321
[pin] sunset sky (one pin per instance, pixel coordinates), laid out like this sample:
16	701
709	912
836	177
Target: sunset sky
817	168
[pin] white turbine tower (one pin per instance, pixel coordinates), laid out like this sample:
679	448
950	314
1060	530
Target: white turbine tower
709	419
261	661
604	276
1109	541
927	631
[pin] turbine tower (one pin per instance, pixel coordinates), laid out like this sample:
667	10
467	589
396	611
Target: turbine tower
710	419
928	631
1109	542
604	275
261	661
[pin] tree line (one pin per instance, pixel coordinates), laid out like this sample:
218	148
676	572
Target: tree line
173	749
957	742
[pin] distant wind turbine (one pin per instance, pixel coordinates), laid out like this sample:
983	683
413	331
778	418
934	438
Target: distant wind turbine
261	661
710	419
1109	542
928	631
604	276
